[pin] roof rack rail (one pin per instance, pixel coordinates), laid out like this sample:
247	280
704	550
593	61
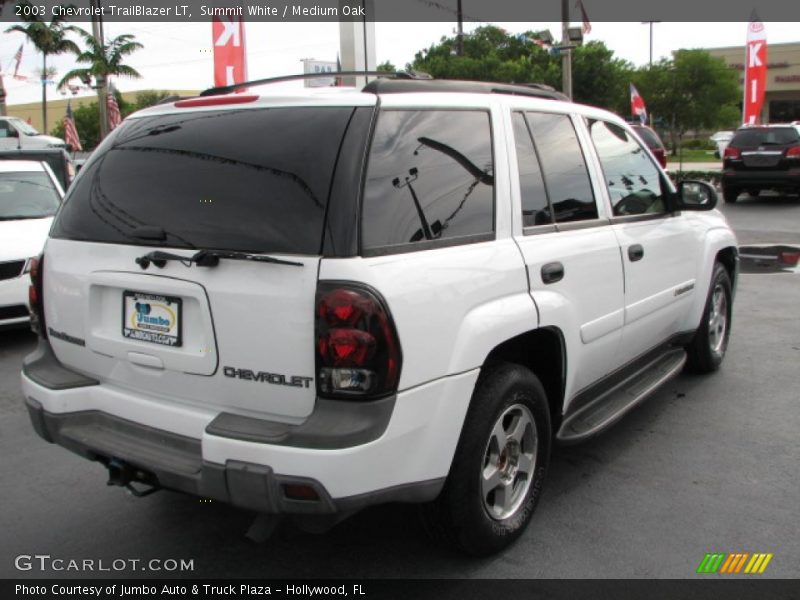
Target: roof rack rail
227	89
397	86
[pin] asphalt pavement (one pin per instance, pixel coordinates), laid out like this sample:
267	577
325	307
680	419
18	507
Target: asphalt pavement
707	464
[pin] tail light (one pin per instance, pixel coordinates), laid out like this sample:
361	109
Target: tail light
793	152
661	156
732	153
36	295
358	352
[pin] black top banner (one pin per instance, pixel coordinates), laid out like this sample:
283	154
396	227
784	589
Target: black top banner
396	589
475	11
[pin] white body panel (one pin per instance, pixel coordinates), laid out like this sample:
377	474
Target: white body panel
223	325
451	307
418	444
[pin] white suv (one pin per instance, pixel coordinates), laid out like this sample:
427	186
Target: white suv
312	303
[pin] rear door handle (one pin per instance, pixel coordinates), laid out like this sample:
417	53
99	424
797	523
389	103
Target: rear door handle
552	272
635	252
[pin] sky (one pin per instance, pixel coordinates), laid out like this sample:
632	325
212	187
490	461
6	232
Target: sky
178	55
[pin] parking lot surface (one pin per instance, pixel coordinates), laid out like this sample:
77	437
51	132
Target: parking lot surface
707	464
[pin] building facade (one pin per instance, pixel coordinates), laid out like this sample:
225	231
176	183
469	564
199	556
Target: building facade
782	100
57	107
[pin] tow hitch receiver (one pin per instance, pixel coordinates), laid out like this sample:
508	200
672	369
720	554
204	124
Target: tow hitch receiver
122	474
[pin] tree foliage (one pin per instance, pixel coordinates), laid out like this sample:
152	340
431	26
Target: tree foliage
48	38
491	54
691	91
103	59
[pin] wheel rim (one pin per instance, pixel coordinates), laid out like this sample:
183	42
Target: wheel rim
508	462
718	320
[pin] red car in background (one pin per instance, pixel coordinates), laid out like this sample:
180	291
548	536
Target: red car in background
653	142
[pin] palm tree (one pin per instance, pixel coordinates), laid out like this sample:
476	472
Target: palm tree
103	59
49	39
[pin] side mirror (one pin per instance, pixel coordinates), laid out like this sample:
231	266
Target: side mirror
695	195
12	133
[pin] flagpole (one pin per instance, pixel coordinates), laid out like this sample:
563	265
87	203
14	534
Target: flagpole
566	53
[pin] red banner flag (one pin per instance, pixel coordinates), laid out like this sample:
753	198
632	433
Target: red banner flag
230	62
755	74
638	108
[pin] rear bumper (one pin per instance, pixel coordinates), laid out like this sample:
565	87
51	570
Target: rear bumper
787	179
186	448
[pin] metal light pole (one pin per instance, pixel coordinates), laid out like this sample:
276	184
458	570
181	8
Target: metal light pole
460	35
100	80
650	23
566	54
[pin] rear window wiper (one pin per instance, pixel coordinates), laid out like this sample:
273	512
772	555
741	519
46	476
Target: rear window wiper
207	258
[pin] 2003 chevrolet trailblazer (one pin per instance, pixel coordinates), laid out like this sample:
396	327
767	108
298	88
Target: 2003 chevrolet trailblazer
315	302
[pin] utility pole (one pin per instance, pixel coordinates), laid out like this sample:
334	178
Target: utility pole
100	80
566	54
2	97
460	34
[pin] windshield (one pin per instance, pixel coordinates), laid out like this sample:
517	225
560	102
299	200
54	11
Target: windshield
24	127
765	136
254	180
27	195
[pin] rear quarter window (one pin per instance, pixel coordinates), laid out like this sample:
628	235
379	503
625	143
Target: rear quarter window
429	181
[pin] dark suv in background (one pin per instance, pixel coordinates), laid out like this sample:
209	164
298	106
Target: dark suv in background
762	157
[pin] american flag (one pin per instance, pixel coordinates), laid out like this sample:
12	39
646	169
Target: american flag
114	116
70	131
587	25
18	58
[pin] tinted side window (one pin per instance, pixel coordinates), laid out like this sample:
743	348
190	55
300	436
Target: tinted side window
634	182
564	167
535	208
430	177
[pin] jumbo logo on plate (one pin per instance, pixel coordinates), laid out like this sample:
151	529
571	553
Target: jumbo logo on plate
151	318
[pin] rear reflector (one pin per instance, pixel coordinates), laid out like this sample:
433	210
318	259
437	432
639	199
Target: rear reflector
294	491
215	101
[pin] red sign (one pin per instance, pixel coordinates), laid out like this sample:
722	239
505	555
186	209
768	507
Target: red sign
755	73
230	61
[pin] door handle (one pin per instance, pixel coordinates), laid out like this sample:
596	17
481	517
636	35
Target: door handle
635	252
552	272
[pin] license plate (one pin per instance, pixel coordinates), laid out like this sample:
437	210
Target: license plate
151	318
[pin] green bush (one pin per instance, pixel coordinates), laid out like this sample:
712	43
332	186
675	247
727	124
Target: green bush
701	144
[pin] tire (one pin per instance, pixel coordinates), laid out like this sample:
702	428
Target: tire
730	194
707	349
470	514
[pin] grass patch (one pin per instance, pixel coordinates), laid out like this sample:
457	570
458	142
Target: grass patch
690	156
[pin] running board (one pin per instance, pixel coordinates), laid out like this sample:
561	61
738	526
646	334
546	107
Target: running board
607	409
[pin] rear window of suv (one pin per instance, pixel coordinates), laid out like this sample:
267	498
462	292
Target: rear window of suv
765	136
254	180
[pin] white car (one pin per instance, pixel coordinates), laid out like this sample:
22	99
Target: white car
721	140
306	304
16	134
29	197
